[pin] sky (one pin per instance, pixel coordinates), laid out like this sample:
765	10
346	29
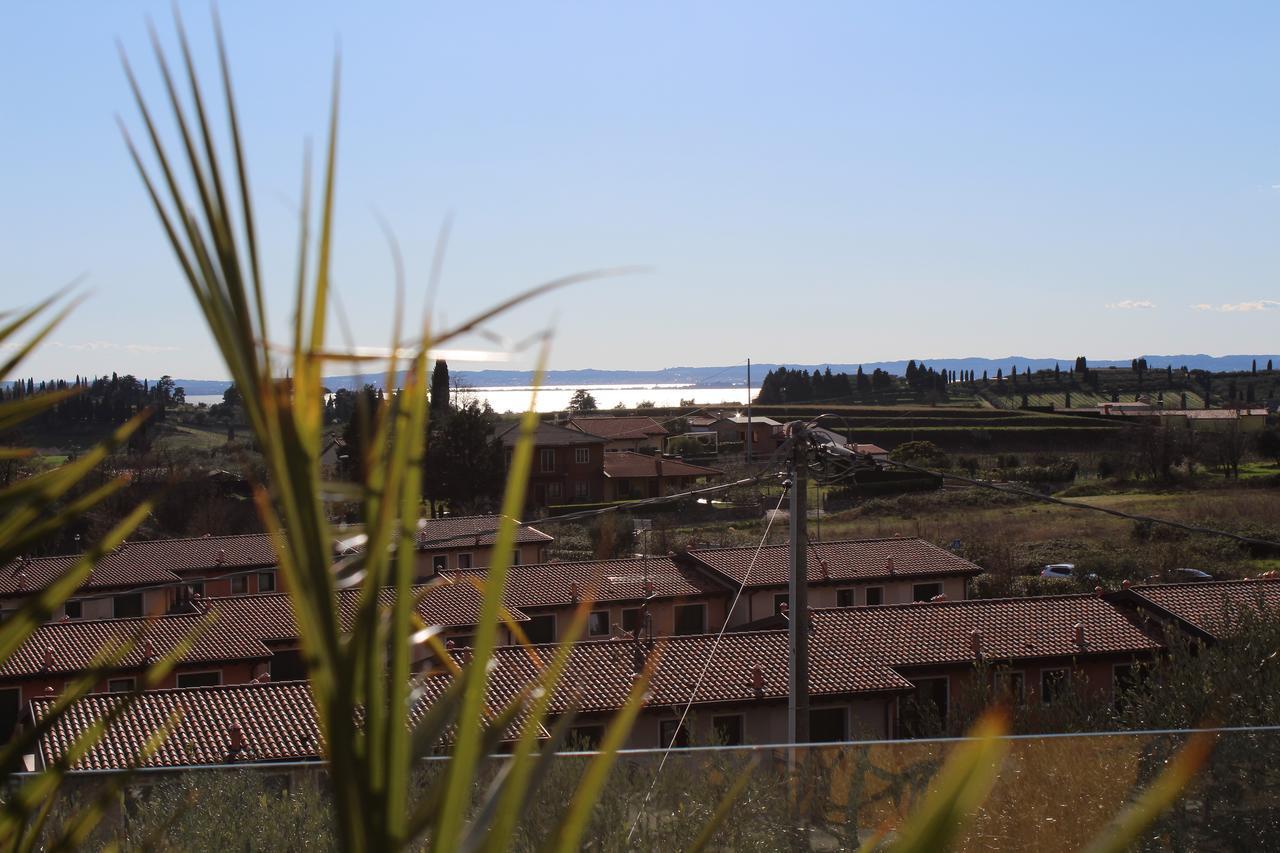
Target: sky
803	183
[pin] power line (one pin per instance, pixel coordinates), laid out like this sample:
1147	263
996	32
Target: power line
715	644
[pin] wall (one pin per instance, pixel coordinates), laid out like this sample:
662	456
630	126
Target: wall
481	557
758	603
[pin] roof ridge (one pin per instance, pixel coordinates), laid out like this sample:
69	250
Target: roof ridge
813	544
916	605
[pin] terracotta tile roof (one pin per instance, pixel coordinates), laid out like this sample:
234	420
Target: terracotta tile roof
940	633
618	428
457	531
270	616
277	722
551	584
600	673
625	463
549	435
1213	607
870	449
847	560
69	647
144	563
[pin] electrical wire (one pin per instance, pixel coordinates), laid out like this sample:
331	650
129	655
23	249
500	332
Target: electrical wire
715	644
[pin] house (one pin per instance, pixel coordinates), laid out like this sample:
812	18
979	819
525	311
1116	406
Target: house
631	476
1207	611
254	723
149	578
872	451
466	542
650	595
847	573
766	433
568	465
238	639
623	433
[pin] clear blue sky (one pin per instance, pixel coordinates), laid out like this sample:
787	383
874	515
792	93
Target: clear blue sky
810	182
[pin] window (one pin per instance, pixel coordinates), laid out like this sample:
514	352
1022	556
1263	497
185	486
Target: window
875	596
1011	684
546	460
211	678
120	685
515	557
10	707
586	737
631	619
553	491
127	605
541	628
73	609
1124	677
582	455
288	665
728	730
266	581
439	563
844	598
598	623
195	588
464	561
462	641
671	730
581	489
1053	682
780	602
828	725
924	712
925	591
239	584
691	619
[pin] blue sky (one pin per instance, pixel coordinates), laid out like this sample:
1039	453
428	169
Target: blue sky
809	182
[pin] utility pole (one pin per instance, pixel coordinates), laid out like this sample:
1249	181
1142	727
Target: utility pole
748	411
798	600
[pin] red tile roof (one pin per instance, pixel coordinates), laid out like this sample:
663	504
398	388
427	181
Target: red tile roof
625	463
551	584
143	563
1213	608
277	722
459	531
853	559
70	647
600	673
939	633
638	427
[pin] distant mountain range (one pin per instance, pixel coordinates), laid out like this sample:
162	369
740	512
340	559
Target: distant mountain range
735	376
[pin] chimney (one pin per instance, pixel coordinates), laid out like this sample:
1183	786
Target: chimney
1126	584
889	566
825	569
236	738
222	557
942	596
757	679
975	642
48	657
1097	591
148	649
574	593
1078	634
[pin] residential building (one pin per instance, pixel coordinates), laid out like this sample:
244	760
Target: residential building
766	433
631	476
623	433
567	468
466	542
646	595
847	573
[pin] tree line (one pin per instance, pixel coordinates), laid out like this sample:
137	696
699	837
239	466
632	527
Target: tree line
100	401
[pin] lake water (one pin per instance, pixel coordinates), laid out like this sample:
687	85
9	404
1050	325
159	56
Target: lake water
555	398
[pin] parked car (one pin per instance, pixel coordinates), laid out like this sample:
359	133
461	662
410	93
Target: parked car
1062	571
1189	576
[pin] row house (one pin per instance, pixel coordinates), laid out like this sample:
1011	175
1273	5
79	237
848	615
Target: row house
635	433
871	669
646	596
842	573
567	467
466	542
239	639
259	722
633	476
149	578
